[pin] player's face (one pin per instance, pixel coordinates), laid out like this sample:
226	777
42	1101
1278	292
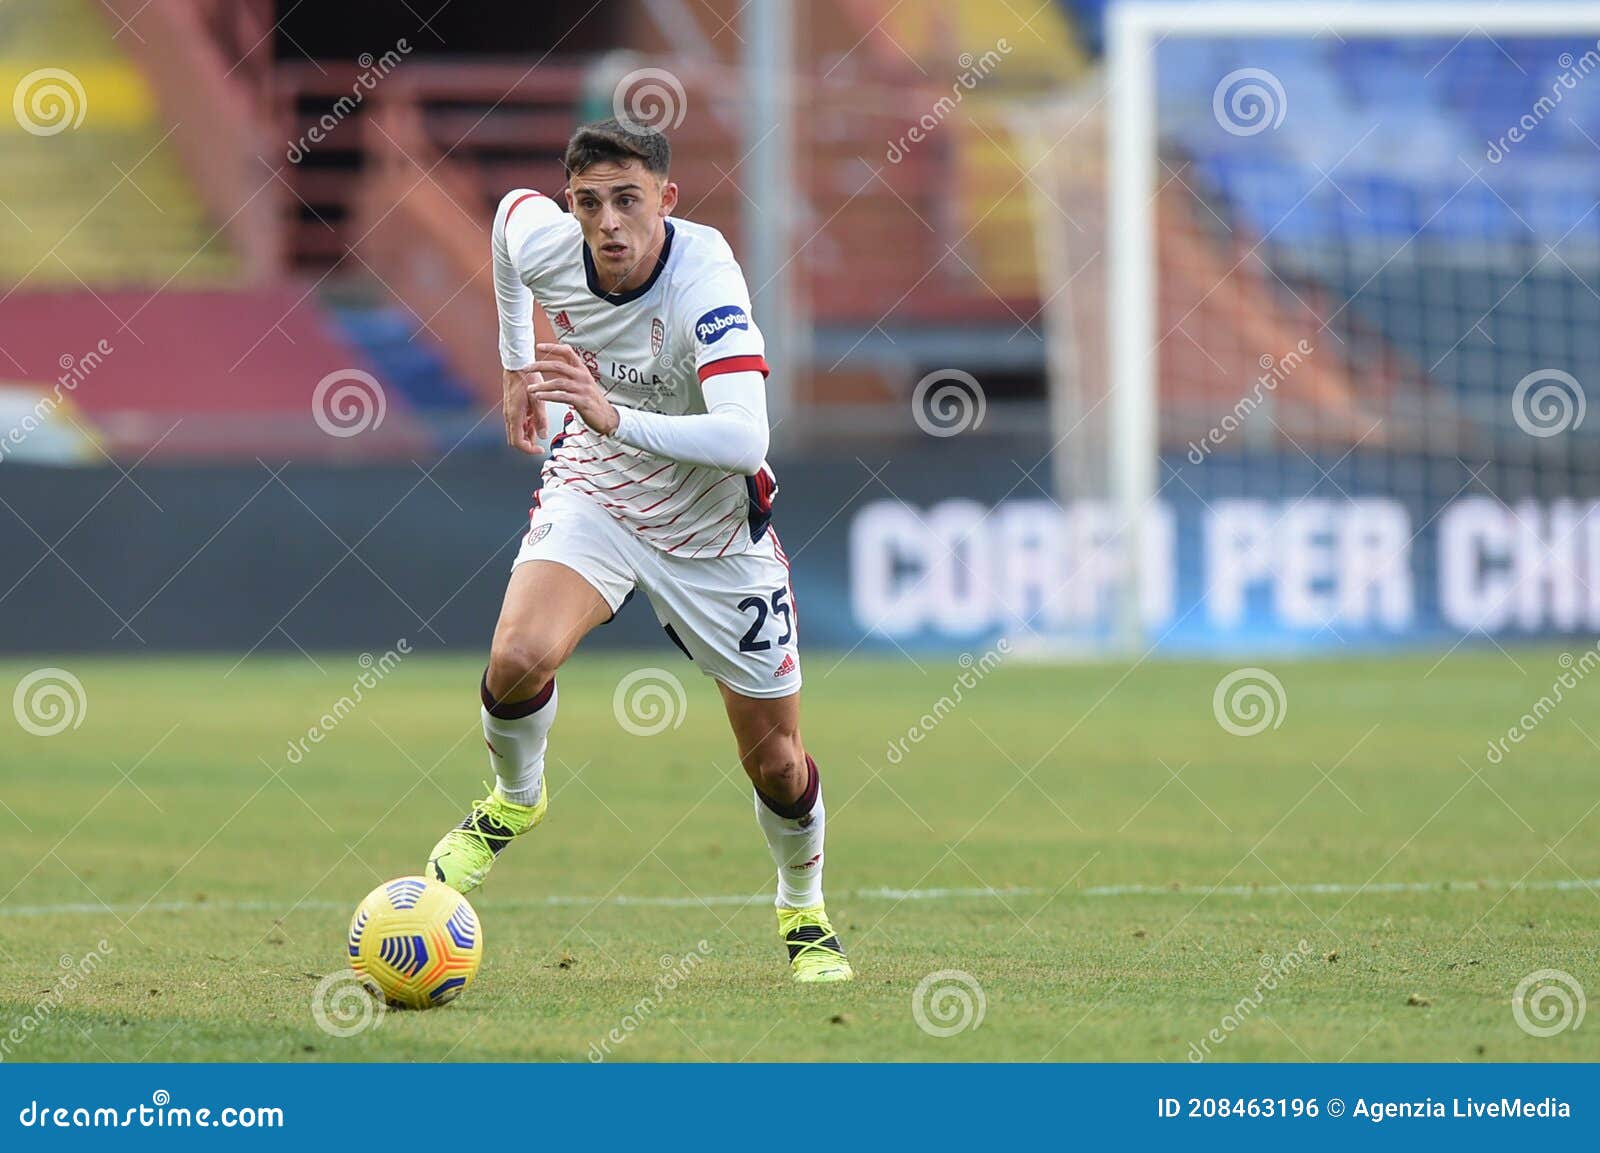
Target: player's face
622	208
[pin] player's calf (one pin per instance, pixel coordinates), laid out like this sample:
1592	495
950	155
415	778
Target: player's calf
548	608
794	831
516	734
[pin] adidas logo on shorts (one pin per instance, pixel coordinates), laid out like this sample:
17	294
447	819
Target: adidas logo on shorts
787	667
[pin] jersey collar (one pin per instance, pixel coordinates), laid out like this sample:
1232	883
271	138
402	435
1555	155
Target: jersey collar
631	294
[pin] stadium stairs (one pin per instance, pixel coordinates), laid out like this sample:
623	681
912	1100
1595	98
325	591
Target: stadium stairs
897	257
903	260
101	200
142	240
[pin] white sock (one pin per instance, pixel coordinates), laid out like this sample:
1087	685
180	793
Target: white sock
517	744
796	843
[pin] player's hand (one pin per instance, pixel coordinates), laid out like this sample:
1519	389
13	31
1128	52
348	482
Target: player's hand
525	418
563	377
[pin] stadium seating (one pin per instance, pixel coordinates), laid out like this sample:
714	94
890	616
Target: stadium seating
196	374
1416	125
108	202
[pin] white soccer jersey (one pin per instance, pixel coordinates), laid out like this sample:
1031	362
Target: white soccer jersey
650	348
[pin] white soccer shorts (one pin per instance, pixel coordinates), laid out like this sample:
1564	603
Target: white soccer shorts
734	616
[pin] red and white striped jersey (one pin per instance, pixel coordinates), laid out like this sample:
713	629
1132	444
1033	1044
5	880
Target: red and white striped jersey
650	348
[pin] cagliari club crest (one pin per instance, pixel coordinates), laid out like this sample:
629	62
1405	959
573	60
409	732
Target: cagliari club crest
658	336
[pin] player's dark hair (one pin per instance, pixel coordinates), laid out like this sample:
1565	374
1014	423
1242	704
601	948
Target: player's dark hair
611	140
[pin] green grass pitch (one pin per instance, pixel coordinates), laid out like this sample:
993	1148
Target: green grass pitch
1121	877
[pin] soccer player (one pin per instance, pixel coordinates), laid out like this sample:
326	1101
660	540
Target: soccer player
657	480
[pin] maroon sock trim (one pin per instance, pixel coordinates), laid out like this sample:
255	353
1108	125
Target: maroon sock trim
515	710
804	803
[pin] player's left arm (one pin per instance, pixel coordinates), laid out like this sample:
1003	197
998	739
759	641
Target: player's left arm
730	362
732	433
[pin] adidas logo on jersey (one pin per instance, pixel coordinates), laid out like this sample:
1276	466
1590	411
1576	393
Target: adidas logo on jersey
788	666
563	321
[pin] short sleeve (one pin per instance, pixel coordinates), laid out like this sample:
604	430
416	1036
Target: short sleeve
522	215
720	329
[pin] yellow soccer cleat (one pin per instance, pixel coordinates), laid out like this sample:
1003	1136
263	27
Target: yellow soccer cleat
464	855
815	954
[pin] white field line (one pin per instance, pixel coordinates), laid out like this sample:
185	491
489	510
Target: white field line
557	899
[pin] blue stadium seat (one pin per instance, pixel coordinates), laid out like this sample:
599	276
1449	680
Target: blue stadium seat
403	358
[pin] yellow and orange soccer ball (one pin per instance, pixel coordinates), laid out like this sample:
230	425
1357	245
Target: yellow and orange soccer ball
415	943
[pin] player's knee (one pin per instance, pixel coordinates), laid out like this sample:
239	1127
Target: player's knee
519	666
779	769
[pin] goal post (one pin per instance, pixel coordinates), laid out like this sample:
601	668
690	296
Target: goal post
1330	280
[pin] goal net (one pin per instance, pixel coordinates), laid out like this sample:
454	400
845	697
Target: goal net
1322	289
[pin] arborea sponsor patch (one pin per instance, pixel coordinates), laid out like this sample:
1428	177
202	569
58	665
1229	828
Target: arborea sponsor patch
711	327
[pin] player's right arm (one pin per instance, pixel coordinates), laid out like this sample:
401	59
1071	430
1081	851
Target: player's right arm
521	215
